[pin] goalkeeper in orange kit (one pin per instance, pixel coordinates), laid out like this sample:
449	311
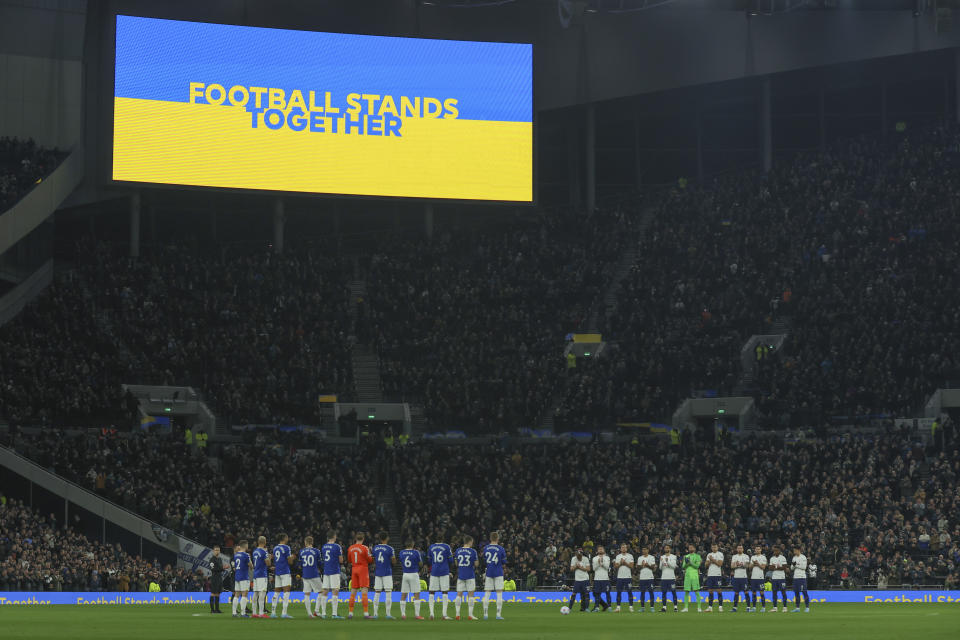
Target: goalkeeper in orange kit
360	559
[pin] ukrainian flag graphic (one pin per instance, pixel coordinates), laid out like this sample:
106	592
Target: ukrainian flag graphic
255	108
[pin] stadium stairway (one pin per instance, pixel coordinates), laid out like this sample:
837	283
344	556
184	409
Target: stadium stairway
599	314
366	373
388	506
358	292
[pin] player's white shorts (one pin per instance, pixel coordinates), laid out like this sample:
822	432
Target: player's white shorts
282	581
410	583
241	586
493	584
466	585
331	581
259	584
383	583
439	583
311	585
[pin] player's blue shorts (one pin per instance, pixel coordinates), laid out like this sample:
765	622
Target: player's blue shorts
623	584
756	584
778	585
645	585
799	584
738	584
601	586
712	582
668	585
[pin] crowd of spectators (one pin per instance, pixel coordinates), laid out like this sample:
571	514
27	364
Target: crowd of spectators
23	164
251	490
471	326
38	553
259	335
850	251
860	505
866	509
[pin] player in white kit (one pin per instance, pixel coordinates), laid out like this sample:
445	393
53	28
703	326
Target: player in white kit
623	563
714	564
778	577
739	563
758	564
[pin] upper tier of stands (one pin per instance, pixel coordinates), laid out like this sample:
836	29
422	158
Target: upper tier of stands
851	251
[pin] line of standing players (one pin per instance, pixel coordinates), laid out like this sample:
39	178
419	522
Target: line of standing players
320	572
740	564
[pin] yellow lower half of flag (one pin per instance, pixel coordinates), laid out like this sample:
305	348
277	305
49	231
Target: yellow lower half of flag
216	146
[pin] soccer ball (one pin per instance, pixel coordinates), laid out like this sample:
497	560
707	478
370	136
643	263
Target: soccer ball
564	611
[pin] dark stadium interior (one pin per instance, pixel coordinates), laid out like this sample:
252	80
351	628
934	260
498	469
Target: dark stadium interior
754	203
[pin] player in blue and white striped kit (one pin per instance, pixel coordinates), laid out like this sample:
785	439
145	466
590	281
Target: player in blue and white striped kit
439	556
260	557
410	561
467	561
494	557
241	578
384	560
310	572
281	576
331	554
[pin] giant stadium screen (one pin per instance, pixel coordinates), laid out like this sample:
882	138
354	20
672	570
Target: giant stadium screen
237	107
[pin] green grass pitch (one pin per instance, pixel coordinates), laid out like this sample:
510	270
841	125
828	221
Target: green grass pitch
529	621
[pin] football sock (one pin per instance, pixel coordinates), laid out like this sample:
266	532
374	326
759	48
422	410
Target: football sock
416	607
322	605
486	602
243	604
234	604
430	599
376	598
334	601
387	602
307	601
736	598
499	603
365	600
456	605
403	608
444	601
276	603
286	601
353	598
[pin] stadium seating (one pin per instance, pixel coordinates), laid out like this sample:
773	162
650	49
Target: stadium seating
38	554
307	491
23	163
849	251
261	336
854	503
473	326
844	251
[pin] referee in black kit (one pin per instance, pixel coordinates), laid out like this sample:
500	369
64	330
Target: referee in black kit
216	580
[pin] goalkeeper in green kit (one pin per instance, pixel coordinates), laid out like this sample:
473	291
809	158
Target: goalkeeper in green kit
691	576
